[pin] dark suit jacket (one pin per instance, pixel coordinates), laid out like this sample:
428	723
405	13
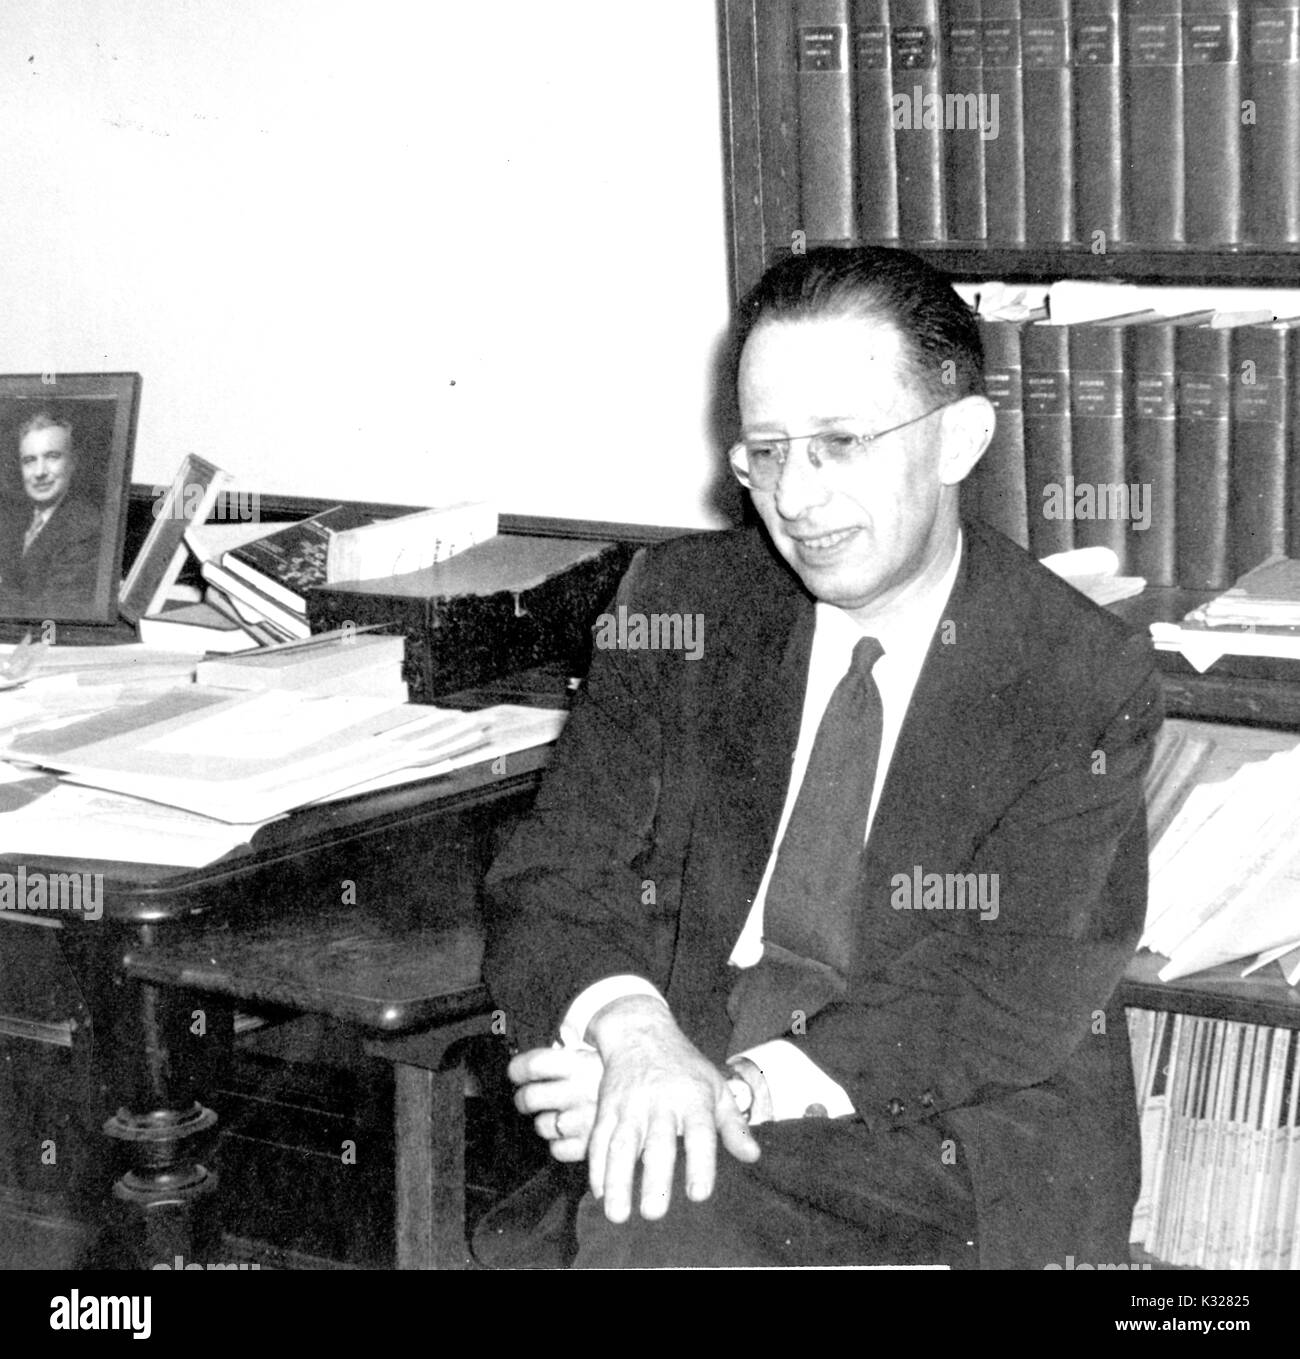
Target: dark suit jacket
58	573
1022	754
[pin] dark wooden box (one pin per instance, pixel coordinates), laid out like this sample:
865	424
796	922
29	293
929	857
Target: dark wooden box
512	602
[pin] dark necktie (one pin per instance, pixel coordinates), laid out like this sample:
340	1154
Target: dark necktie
812	899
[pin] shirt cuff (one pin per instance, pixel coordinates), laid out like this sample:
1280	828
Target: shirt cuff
573	1027
796	1083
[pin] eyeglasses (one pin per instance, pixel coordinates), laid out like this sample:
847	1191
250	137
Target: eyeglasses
757	463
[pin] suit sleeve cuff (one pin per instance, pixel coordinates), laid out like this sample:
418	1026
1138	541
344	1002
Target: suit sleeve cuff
796	1083
573	1027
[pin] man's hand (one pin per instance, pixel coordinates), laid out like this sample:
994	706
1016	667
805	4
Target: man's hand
560	1086
656	1087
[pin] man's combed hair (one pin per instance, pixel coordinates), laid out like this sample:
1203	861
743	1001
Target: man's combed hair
877	284
44	420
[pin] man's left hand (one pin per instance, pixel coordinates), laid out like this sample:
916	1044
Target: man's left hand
560	1086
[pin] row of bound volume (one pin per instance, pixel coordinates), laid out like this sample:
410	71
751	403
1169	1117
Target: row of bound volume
1153	122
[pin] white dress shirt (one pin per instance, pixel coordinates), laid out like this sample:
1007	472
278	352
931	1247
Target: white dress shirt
795	1082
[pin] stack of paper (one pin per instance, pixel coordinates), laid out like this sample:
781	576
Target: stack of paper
1258	616
1095	572
1267	596
1225	858
240	758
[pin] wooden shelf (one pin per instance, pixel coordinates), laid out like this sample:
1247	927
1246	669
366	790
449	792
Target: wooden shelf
1219	993
1182	266
1253	690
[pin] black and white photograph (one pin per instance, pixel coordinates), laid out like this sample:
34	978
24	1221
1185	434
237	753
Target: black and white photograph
692	663
66	470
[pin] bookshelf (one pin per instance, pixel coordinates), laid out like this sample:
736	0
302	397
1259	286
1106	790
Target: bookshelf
760	123
778	191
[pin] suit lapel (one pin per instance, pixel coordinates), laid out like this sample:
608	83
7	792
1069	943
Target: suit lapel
955	750
754	709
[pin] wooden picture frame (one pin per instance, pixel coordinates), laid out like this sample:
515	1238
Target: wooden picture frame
188	500
66	444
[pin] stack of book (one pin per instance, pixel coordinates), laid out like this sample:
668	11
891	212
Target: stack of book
1219	1104
362	664
1089	122
1167	439
258	575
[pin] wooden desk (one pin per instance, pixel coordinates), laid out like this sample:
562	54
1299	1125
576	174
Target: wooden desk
387	880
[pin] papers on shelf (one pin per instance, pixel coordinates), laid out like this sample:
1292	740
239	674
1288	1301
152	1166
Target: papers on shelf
1201	646
1094	571
1258	616
1225	873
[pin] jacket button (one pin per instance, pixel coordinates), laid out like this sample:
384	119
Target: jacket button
927	1100
896	1108
816	1111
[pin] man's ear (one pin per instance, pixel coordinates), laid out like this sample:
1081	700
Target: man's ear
966	431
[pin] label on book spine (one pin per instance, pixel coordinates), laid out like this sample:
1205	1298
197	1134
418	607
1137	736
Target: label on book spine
1153	396
1274	36
872	47
1046	393
1154	41
1002	388
1097	392
1203	396
1263	399
1045	43
965	49
1001	43
1208	39
1096	41
823	47
913	48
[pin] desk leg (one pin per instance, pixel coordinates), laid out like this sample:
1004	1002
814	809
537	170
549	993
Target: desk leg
429	1112
154	1057
430	1178
167	1190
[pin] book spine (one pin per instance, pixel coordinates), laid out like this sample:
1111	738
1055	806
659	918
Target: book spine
918	118
1103	502
874	122
1201	514
1257	509
1293	452
1045	377
967	123
1098	124
997	485
1004	155
1049	123
1151	438
1212	122
1153	129
1271	124
825	120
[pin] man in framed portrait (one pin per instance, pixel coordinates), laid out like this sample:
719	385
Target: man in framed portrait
51	538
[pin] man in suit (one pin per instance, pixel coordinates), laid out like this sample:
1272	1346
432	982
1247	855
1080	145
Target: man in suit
50	552
851	892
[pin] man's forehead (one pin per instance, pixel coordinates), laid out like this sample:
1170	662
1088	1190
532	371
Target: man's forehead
50	439
841	360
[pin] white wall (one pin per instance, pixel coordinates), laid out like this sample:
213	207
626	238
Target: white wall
303	221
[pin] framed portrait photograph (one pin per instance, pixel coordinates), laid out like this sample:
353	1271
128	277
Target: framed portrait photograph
66	443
